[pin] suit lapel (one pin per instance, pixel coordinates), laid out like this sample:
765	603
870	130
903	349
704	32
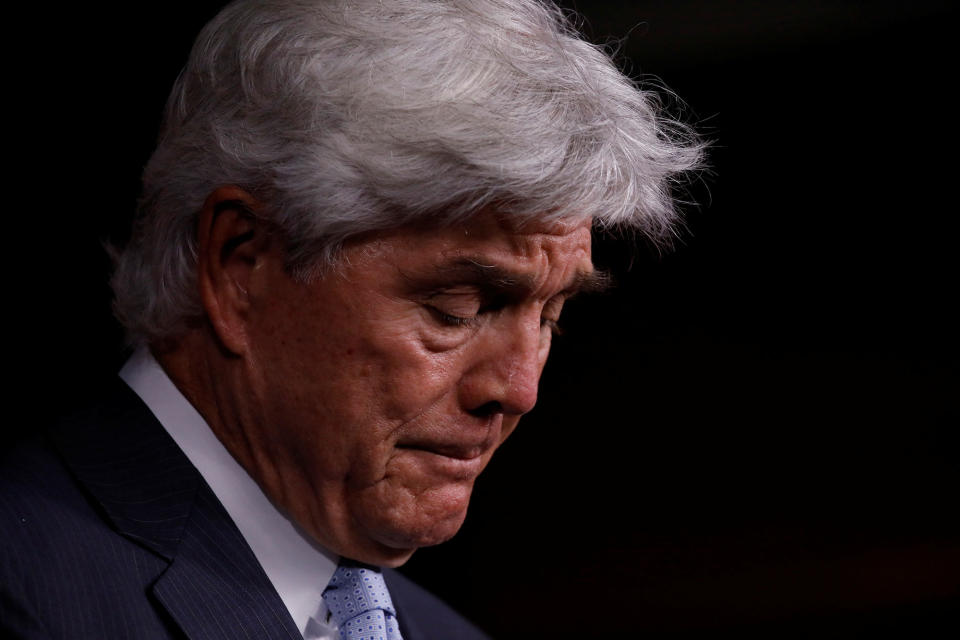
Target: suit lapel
213	587
407	615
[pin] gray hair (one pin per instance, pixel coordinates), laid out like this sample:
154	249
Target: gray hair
349	116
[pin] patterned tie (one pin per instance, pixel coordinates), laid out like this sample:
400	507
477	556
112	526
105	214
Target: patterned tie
360	603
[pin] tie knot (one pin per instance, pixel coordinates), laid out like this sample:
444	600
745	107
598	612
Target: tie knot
354	592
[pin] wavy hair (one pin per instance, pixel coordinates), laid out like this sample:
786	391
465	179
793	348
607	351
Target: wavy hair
350	116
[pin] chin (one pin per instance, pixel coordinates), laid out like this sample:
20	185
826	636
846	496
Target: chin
393	546
425	532
405	526
386	557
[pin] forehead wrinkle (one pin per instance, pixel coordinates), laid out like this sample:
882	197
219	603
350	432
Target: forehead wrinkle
499	277
496	275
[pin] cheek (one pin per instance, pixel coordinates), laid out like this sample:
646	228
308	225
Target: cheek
385	385
404	378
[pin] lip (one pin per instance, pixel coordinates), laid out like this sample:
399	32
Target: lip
464	452
454	461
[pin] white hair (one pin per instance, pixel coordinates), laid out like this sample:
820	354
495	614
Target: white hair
349	116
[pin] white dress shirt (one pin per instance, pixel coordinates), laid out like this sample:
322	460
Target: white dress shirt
297	566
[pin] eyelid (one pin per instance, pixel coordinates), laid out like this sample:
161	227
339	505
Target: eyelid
452	320
464	305
457	307
550	315
553	325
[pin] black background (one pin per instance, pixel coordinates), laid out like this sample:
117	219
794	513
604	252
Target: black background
753	435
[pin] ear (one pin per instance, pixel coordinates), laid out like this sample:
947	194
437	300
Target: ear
230	243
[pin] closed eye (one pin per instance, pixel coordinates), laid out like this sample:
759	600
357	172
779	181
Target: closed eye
462	310
550	316
553	325
450	319
456	306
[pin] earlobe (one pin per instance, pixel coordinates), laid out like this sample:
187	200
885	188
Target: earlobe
230	241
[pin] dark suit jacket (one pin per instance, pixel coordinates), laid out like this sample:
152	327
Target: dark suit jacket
108	531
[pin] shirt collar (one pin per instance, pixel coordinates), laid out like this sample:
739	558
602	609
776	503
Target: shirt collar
297	566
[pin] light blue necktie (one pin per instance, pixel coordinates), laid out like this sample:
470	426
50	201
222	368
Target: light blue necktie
360	603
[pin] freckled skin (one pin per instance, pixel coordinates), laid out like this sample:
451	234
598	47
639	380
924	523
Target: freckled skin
361	407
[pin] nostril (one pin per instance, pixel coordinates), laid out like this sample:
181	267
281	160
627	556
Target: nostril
487	409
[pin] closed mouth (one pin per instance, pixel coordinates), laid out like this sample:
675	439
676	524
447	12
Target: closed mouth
454	451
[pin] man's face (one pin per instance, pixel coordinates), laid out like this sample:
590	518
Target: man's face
377	393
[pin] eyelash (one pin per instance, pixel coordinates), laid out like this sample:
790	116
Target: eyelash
457	321
453	321
553	325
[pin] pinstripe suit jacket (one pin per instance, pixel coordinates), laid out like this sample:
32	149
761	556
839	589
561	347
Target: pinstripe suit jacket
107	531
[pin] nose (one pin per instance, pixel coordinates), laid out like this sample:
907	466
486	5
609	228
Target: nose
506	366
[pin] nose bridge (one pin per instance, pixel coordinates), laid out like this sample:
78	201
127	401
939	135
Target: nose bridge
510	369
525	363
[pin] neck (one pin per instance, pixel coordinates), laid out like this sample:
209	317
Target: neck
211	380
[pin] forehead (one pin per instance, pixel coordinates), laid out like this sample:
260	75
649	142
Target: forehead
534	245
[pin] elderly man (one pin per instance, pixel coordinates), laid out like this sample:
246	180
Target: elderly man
356	236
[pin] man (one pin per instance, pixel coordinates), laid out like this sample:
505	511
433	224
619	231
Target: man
357	233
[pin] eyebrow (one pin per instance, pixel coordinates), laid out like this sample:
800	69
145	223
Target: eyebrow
475	271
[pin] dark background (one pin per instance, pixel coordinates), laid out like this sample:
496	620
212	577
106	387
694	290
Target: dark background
753	435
